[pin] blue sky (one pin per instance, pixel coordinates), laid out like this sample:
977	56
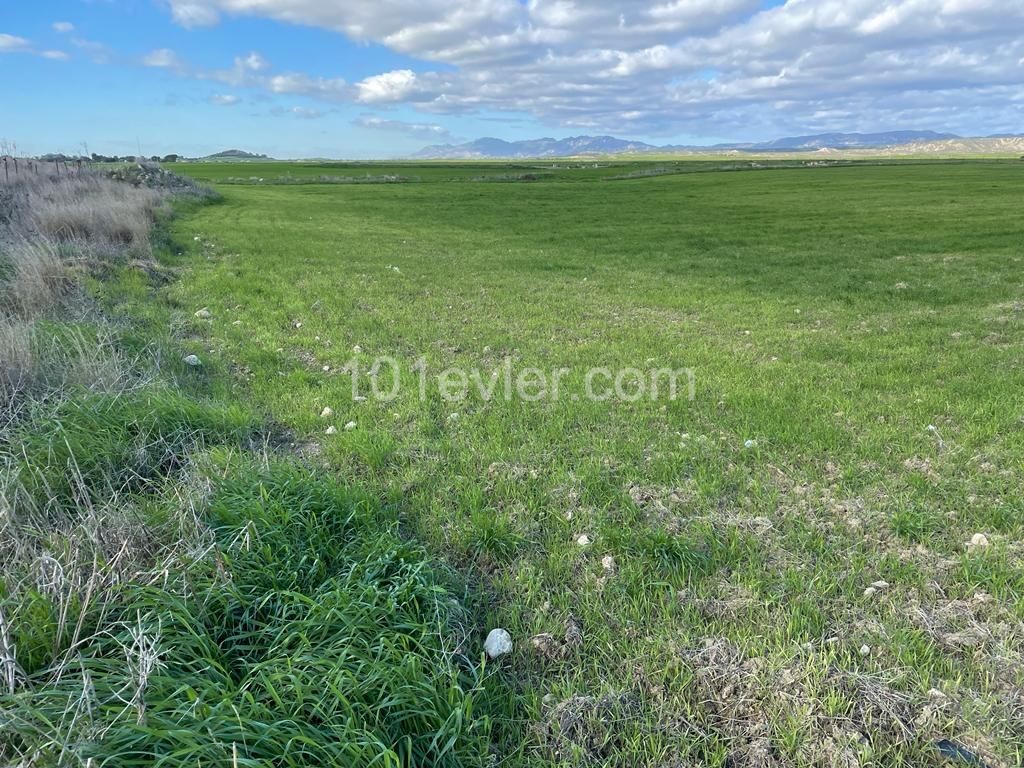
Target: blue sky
346	78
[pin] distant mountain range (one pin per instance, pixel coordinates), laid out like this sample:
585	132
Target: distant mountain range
489	148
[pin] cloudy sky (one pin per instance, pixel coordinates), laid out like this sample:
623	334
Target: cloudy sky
378	78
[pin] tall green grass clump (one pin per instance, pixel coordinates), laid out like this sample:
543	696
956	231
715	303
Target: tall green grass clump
309	635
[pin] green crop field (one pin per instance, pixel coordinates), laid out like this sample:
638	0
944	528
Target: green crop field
815	560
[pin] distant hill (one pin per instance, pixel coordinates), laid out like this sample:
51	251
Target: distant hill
1003	145
845	141
574	146
236	154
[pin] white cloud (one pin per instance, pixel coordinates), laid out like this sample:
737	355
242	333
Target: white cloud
699	66
225	100
324	88
387	87
422	130
10	43
55	55
63	27
194	14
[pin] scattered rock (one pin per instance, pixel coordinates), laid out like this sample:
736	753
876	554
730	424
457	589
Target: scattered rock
608	563
192	360
498	643
748	444
350	426
332	430
583	540
865	650
203	314
357	349
326	413
978	541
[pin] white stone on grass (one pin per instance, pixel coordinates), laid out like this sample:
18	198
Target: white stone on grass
192	360
498	643
978	541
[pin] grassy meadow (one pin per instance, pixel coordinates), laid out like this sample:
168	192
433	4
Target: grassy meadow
778	572
221	546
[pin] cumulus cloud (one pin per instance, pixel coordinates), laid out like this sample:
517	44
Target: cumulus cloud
194	14
224	100
15	44
63	27
12	43
253	71
699	66
397	85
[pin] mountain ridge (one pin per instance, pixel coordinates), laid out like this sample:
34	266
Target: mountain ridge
493	148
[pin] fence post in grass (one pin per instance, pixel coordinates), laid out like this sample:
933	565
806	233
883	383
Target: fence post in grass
7	174
16	167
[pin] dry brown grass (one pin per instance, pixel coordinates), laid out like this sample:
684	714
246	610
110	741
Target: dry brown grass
51	226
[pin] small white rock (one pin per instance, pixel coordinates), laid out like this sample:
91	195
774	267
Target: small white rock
498	643
203	314
350	426
583	540
750	444
332	430
880	585
357	349
870	592
326	368
865	650
192	360
608	563
978	541
326	413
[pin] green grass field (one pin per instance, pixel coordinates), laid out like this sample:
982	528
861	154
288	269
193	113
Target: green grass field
856	337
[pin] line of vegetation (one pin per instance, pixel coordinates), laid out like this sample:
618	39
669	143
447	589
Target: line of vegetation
175	592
